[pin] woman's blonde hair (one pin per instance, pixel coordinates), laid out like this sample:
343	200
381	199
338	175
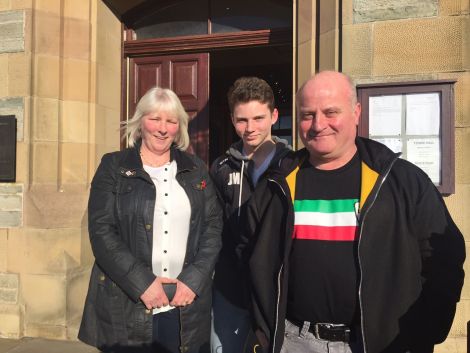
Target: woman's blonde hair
158	99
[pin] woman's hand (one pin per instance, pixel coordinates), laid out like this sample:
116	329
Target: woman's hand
183	296
154	296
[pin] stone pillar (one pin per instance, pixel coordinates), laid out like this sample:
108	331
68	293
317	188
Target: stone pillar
63	74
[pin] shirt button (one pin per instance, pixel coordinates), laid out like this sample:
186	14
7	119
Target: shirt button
166	169
102	278
164	269
165	180
164	251
148	226
166	194
166	232
165	212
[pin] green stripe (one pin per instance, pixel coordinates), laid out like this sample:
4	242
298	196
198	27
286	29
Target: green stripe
325	206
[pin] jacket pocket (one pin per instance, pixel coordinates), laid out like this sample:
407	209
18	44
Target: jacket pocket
110	310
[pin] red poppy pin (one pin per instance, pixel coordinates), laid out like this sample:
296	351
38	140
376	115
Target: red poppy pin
202	185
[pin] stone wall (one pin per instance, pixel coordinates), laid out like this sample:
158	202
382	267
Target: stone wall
413	40
60	72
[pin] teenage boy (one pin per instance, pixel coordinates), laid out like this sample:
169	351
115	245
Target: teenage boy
236	173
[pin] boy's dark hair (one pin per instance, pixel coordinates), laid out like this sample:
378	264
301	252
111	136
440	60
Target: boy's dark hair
247	89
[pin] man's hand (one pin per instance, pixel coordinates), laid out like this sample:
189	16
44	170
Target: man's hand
183	296
154	296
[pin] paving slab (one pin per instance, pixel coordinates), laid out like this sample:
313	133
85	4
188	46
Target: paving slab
41	345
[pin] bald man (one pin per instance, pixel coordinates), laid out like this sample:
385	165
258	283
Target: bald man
350	248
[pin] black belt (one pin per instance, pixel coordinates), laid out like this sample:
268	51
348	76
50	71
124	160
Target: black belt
329	332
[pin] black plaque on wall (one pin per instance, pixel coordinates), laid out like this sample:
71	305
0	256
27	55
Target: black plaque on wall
7	148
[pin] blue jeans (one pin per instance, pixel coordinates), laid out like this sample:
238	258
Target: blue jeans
230	325
300	340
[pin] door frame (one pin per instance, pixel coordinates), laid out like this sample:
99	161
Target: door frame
132	48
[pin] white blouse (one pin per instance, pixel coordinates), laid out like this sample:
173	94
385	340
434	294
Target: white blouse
170	223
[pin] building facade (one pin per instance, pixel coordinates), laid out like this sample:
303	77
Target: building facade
71	71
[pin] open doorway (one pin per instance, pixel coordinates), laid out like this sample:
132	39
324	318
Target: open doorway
273	64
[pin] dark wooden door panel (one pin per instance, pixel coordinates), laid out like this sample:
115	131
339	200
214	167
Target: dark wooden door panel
188	76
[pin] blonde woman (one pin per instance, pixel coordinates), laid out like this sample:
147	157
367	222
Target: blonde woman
154	225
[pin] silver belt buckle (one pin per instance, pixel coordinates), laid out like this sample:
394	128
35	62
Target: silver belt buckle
327	326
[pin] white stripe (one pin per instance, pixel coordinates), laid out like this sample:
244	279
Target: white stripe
338	219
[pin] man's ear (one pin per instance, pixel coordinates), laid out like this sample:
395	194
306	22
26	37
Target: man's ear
357	113
274	116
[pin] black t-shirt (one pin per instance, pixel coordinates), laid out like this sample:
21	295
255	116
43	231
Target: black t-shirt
323	273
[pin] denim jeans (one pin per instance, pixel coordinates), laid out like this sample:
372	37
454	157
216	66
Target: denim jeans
300	340
230	325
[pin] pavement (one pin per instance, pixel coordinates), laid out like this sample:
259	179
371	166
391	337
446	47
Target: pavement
41	345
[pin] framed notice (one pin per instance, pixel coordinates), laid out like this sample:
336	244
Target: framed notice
415	119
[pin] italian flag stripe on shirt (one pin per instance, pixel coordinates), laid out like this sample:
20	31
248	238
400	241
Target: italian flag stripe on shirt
330	220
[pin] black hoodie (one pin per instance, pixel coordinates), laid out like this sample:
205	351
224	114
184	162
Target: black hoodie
231	174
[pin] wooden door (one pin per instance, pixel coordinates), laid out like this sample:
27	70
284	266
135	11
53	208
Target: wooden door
188	76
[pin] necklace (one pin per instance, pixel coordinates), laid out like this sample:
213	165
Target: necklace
152	164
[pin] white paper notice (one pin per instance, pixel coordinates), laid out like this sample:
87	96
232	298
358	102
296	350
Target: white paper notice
394	144
422	114
385	115
426	154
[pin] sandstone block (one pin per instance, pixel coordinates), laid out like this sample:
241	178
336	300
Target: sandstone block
77	9
74	163
11	202
462	146
44	157
77	43
3	249
453	7
357	50
328	16
75	80
44	296
47	33
12	31
410	47
305	21
46	119
10	219
19	75
8	288
384	10
459	208
46	76
44	251
452	345
10	321
4	75
48	6
75	124
47	207
21	4
328	59
109	87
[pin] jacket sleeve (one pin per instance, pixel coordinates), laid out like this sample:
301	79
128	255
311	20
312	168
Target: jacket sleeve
112	254
443	254
198	273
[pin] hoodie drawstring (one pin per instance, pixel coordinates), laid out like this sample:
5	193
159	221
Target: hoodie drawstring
241	188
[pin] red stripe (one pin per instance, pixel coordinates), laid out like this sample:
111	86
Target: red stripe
325	233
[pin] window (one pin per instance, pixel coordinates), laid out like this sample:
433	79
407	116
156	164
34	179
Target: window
199	17
416	119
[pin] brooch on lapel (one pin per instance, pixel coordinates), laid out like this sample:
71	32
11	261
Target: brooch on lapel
202	185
